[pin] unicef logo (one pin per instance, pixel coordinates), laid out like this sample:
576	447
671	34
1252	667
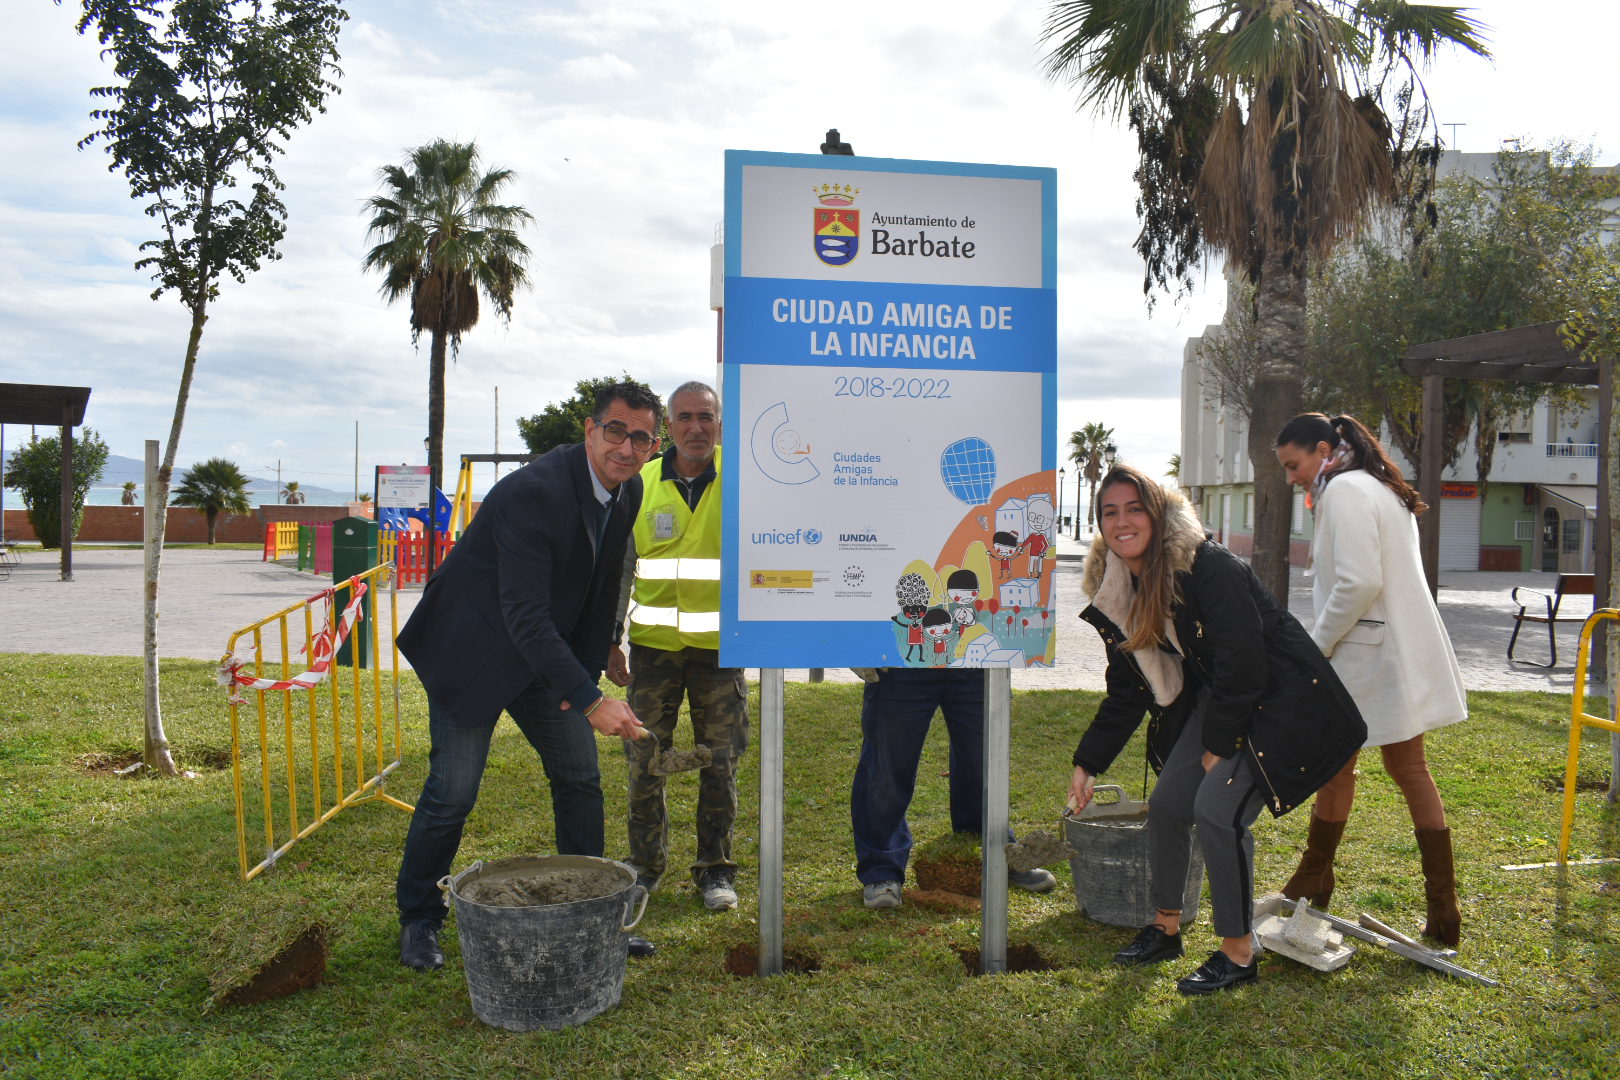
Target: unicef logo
812	536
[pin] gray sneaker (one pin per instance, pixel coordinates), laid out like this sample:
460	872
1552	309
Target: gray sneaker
718	893
1036	880
881	894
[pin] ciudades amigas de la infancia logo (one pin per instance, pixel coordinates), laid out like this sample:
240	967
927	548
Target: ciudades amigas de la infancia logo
837	224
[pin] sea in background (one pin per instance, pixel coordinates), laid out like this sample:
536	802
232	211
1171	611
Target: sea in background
261	490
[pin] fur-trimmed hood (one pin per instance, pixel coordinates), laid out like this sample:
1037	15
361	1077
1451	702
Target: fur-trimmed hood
1107	582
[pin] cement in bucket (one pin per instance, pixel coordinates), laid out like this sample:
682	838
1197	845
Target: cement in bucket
545	965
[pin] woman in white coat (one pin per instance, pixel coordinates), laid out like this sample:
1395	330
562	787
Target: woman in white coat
1378	624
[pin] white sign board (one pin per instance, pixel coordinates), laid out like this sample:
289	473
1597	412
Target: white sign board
405	486
890	370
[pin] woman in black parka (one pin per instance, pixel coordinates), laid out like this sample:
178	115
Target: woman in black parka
1244	710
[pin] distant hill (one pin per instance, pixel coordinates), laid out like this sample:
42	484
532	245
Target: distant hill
121	470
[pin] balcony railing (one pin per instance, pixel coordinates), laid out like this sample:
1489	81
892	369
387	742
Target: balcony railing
1580	449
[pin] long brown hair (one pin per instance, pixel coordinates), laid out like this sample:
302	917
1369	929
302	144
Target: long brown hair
1156	593
1308	429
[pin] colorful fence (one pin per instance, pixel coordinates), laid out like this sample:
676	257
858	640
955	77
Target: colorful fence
408	551
312	763
280	538
315	547
1580	719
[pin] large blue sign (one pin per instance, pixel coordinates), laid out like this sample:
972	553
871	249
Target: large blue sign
890	401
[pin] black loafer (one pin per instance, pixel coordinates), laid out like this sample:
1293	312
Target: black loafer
1151	946
640	946
419	946
1219	972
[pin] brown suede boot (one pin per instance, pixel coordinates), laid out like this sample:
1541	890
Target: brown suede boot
1313	879
1439	885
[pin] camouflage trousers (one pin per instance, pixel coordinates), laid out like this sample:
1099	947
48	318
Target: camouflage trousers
718	701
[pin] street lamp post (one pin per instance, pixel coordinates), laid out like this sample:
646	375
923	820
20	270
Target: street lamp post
1061	473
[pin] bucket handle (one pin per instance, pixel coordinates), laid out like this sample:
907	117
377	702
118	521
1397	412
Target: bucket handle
445	882
1115	790
640	911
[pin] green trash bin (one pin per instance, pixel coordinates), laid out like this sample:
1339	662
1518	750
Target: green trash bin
354	551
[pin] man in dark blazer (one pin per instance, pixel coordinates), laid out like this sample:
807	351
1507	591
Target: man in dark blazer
520	618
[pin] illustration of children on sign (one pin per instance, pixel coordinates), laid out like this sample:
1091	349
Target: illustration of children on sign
937	626
1038	517
962	590
912	593
1004	545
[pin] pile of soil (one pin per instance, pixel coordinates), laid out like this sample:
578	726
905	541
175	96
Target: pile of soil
1039	848
534	886
940	900
948	875
299	965
1019	958
743	961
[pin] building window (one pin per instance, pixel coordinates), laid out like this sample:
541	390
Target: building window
1297	524
1524	530
1248	511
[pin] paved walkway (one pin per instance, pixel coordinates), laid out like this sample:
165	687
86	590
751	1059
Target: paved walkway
207	595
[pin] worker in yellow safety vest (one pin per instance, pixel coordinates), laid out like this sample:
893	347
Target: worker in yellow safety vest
674	620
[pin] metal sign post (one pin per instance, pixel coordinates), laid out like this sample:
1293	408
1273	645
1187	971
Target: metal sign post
771	692
993	869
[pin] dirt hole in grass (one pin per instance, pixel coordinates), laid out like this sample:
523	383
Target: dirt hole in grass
299	965
1555	784
743	961
207	758
107	762
1020	958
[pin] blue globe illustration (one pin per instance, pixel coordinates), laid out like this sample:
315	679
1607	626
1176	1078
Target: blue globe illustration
968	467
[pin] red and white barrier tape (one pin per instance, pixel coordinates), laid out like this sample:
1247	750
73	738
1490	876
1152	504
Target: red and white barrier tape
322	650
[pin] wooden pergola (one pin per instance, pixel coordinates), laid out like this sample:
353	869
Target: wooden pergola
1534	353
51	406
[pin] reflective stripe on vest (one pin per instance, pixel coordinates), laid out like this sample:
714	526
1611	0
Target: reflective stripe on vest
676	600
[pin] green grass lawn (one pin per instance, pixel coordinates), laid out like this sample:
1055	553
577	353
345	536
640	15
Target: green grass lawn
121	902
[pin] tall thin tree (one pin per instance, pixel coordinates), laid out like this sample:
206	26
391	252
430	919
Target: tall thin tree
1266	129
207	94
442	239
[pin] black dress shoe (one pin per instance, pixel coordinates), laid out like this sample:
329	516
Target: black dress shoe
1219	972
640	946
419	946
1151	946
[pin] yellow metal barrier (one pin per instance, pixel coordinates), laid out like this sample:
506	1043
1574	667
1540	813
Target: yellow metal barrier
295	753
1579	718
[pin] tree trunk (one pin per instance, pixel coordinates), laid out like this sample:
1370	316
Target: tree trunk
1279	324
156	753
213	518
435	442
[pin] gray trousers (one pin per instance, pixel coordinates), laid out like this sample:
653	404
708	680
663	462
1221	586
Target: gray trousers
1223	804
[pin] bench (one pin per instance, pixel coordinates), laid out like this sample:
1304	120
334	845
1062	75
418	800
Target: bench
1568	585
9	558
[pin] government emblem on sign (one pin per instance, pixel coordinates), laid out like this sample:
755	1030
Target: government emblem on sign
837	224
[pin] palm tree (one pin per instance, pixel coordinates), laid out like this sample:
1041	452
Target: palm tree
292	494
1089	449
1267	129
213	486
127	498
442	238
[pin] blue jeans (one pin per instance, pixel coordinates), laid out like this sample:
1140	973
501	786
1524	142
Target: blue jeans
896	712
566	744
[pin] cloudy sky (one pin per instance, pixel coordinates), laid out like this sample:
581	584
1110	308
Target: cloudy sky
615	115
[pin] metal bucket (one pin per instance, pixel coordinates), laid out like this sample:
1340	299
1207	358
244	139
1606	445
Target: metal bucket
545	965
1110	863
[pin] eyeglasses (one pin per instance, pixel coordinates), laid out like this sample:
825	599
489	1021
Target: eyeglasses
615	432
